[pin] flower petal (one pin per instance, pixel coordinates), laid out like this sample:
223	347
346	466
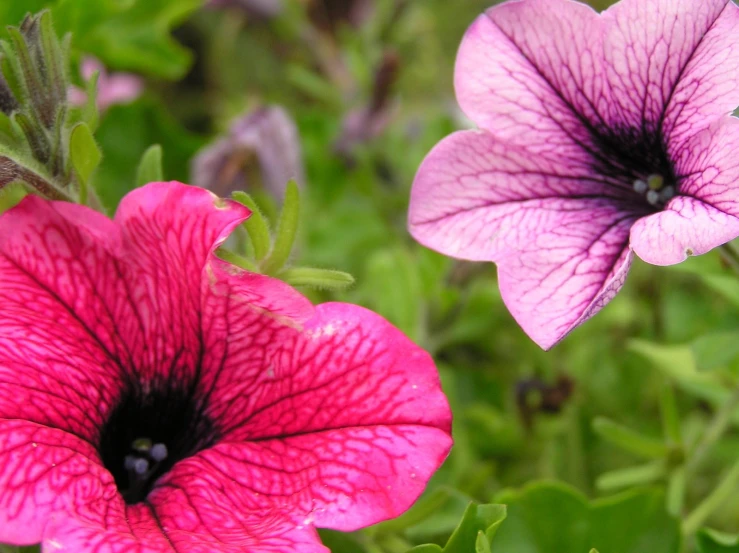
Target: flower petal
672	65
705	214
169	232
345	429
199	518
530	72
257	314
172	521
46	474
558	236
61	358
688	227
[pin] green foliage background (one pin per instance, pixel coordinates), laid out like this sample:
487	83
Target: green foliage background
671	334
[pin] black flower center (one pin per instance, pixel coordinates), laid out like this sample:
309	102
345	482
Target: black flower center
636	162
147	433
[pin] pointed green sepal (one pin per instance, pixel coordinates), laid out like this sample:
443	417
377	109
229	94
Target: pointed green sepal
85	156
323	279
150	166
236	259
256	226
89	112
287	228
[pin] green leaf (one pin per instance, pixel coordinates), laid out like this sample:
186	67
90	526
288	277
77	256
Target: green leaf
477	518
125	134
426	548
85	156
482	544
711	541
133	35
679	364
287	228
150	166
256	226
554	518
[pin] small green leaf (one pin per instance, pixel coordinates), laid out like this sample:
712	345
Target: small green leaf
628	439
287	228
482	545
426	548
323	279
85	156
711	541
150	166
256	226
476	518
474	532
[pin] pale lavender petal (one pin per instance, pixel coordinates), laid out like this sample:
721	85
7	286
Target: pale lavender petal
528	71
672	65
688	227
558	235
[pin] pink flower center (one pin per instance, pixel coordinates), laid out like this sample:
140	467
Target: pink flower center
148	432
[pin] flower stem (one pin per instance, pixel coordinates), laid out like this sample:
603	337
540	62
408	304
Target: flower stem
725	489
730	256
715	430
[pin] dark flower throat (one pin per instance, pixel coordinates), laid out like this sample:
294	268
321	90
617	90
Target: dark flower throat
147	433
637	163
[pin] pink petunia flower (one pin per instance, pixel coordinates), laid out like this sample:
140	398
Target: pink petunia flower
113	88
600	135
154	398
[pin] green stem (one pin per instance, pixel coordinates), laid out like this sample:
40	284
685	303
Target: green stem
730	256
725	489
716	429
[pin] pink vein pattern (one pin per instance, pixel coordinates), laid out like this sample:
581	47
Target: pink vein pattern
320	416
573	108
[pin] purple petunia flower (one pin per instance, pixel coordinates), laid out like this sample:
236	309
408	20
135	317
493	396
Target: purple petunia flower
600	135
156	399
262	148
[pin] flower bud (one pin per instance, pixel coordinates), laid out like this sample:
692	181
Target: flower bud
262	148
